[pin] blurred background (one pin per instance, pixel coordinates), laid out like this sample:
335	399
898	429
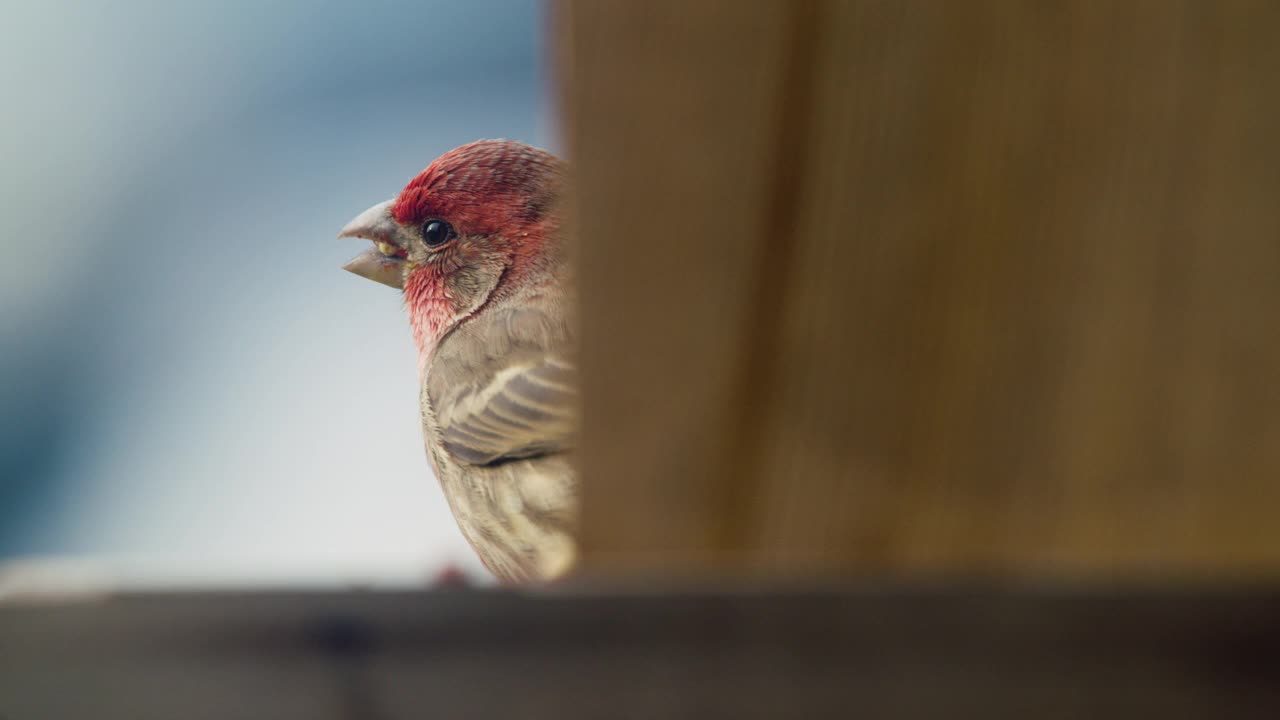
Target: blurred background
194	392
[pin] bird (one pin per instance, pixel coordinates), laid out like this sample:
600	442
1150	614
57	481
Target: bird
475	245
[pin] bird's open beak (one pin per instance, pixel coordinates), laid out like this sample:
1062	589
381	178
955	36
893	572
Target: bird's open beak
384	262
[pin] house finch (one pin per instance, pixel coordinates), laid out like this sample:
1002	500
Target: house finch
474	245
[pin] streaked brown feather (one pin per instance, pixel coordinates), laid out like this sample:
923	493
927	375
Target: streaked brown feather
500	417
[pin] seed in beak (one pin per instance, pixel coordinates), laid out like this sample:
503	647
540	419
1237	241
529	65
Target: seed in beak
387	248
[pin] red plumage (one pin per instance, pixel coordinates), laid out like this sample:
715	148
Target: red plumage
489	190
484	187
490	301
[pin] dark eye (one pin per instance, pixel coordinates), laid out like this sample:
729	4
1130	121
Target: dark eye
436	232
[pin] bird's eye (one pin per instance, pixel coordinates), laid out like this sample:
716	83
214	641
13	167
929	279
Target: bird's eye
436	233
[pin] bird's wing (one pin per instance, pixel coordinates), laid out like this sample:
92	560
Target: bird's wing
522	411
497	403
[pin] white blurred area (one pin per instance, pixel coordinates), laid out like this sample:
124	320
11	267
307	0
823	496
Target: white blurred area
194	393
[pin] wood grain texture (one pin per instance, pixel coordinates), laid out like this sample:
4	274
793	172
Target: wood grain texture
898	287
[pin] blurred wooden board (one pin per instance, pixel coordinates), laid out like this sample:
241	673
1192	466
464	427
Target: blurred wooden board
899	287
880	652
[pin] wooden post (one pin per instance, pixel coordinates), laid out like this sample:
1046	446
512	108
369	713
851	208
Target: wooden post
883	288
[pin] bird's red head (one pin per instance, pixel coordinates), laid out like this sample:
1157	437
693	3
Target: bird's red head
479	223
485	188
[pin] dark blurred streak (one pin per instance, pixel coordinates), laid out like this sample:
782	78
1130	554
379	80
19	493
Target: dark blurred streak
349	642
37	427
909	652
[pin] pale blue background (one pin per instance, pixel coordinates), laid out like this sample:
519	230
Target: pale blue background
191	390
